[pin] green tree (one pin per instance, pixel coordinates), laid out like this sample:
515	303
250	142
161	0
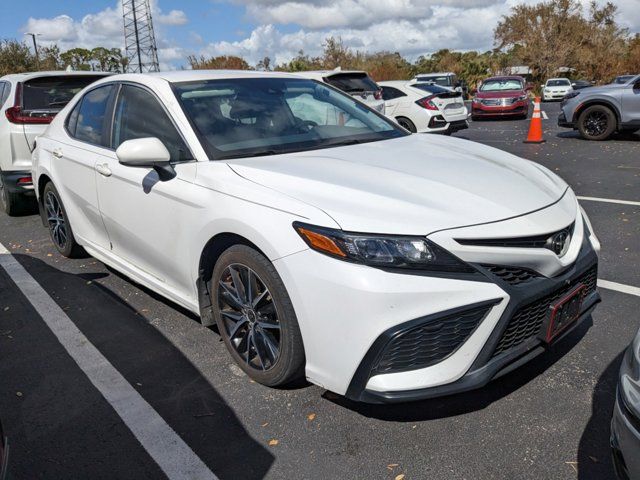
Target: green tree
223	62
77	58
15	57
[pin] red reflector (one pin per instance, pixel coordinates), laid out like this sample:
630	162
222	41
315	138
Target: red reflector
25	181
15	115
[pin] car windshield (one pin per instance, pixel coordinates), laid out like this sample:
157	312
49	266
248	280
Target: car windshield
442	80
353	82
558	83
500	85
431	88
266	116
53	93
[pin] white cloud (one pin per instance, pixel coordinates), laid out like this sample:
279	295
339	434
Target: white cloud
105	29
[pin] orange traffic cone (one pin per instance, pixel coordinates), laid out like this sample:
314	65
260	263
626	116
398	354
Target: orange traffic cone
535	128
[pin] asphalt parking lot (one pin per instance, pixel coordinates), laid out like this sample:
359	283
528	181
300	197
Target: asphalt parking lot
549	419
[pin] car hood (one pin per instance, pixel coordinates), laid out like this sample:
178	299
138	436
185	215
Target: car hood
500	94
416	184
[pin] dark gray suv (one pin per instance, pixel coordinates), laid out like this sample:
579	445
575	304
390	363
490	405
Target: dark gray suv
597	112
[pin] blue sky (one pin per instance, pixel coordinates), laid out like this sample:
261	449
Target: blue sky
275	28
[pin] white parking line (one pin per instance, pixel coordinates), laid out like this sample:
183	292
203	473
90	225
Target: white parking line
609	200
619	287
544	115
163	444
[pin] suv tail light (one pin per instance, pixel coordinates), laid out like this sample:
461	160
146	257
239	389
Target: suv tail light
16	115
427	102
377	94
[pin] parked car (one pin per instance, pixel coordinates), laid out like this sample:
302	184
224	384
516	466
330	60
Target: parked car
625	425
29	102
556	89
506	96
580	84
622	79
598	112
381	265
444	79
356	83
424	108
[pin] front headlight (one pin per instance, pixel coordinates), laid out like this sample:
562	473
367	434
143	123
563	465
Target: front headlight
571	95
374	250
521	98
475	100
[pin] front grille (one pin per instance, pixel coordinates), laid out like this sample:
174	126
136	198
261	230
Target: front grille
537	241
491	102
429	343
528	320
512	275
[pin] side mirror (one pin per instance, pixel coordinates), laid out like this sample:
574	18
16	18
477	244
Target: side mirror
529	87
147	153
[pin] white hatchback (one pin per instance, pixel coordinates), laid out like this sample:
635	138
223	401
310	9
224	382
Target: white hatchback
380	265
556	89
424	108
29	102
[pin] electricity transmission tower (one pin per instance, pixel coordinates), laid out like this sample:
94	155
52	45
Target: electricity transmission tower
139	39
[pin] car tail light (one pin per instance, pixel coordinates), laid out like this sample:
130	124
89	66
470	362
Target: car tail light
377	94
16	115
427	102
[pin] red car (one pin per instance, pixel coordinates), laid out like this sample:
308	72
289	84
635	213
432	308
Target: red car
501	97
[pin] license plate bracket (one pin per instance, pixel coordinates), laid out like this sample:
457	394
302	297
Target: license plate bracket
563	313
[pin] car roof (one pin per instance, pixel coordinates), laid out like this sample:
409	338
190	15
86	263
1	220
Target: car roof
437	74
21	77
559	78
201	75
394	83
321	74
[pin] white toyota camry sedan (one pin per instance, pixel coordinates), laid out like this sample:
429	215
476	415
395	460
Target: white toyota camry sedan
323	240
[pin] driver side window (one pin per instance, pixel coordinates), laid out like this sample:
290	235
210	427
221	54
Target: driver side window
138	114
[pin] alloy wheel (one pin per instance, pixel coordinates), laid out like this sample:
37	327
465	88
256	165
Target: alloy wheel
56	220
596	123
249	316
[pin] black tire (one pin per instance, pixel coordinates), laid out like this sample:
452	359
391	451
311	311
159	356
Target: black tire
597	123
58	224
12	203
406	123
258	324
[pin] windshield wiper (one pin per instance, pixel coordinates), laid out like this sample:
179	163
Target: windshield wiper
262	153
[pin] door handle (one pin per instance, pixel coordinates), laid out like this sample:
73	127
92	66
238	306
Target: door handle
57	152
103	169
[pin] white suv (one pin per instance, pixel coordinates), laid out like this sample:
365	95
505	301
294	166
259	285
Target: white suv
29	102
358	84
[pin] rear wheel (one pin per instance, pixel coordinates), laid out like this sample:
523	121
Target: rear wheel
597	123
58	223
406	123
255	317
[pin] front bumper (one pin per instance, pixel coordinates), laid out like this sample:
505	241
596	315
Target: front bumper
625	425
563	122
497	356
518	108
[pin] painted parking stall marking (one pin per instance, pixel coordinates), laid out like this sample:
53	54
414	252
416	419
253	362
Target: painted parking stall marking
162	443
619	287
609	200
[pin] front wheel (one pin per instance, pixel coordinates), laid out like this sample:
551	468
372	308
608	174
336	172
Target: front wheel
58	223
596	123
255	317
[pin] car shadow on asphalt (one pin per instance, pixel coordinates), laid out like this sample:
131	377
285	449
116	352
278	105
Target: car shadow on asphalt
157	369
466	402
594	454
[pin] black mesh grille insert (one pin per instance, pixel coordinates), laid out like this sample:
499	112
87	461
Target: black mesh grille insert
429	343
527	321
512	275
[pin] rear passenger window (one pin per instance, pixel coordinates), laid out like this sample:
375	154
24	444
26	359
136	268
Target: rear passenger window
91	119
389	93
139	115
5	89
